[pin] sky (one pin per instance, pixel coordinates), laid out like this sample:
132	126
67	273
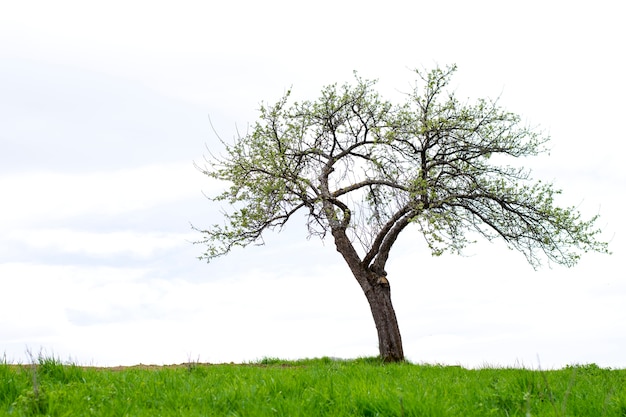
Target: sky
105	107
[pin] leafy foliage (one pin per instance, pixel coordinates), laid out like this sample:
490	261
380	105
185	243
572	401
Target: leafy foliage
355	162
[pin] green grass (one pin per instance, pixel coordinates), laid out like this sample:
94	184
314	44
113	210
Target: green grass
316	387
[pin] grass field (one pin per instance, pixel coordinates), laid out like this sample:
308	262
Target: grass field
315	387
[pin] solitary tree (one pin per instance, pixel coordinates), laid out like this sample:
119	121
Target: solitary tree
363	169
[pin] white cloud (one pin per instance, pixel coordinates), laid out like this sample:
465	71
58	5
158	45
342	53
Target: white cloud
117	315
448	313
38	197
101	244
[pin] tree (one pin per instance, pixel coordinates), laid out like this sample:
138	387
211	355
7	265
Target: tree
363	169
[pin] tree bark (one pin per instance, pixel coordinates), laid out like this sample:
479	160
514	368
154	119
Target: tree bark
389	339
376	288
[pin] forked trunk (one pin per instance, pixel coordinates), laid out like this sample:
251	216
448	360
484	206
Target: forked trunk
375	286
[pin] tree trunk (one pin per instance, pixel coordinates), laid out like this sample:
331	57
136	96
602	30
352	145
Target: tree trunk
376	288
389	339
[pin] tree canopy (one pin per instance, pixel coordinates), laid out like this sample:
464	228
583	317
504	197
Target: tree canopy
353	160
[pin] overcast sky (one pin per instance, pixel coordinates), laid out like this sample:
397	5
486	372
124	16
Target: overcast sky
104	109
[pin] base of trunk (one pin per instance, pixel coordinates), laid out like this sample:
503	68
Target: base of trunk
389	339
